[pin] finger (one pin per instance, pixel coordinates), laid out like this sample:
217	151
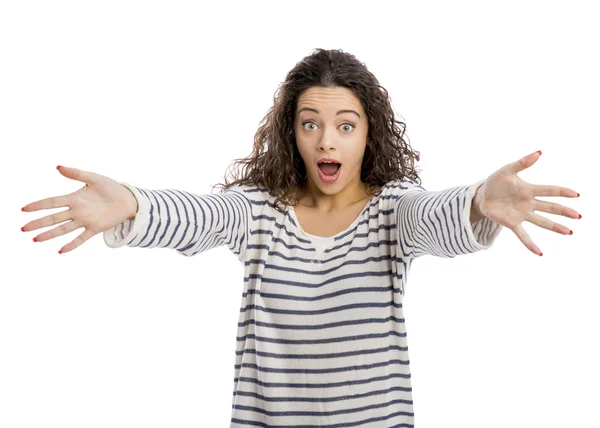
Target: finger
523	163
547	224
525	239
79	174
549	190
49	220
48	203
552	208
85	235
58	231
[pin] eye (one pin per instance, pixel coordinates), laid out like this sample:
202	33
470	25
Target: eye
306	123
349	124
345	123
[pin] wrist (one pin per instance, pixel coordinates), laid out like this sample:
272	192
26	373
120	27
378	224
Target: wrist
476	213
131	203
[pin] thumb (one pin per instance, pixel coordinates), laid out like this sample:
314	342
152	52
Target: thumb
523	163
79	174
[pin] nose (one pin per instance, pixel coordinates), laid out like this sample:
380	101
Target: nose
328	140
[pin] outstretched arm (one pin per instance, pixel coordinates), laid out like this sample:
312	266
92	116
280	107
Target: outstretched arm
465	219
128	215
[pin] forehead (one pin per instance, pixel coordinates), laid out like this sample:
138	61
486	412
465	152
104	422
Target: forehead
329	100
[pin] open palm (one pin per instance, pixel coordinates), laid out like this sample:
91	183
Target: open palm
98	206
508	200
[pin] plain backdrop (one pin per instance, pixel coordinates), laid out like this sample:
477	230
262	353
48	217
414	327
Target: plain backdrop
167	94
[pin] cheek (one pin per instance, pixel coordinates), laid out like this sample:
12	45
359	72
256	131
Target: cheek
304	147
356	157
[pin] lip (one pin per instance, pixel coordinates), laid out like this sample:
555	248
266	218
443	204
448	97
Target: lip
328	160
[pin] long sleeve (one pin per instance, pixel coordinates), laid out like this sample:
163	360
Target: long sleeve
438	223
184	221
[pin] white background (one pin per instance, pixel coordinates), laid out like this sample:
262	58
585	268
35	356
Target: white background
168	94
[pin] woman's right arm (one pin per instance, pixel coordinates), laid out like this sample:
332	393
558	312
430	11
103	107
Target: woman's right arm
136	217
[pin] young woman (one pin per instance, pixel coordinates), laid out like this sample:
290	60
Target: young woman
327	217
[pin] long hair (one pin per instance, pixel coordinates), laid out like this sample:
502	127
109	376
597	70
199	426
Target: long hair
275	163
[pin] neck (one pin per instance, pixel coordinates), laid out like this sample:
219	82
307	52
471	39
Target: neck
311	196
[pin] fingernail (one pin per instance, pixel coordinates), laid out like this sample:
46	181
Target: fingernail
539	151
541	254
58	167
578	195
570	232
34	239
59	251
23	229
579	215
23	209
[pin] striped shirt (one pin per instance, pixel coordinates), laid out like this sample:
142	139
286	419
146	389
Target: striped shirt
321	339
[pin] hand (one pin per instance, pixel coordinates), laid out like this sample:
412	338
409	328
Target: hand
508	200
98	206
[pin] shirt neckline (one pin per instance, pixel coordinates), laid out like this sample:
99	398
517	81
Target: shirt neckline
320	242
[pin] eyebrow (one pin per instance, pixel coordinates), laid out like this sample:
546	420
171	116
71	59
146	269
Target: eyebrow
337	114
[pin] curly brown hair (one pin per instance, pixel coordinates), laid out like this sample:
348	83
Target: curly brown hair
276	164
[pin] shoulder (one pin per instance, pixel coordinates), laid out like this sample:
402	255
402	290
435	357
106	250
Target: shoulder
397	188
255	194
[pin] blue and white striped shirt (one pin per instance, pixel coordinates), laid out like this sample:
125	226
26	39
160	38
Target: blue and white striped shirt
321	334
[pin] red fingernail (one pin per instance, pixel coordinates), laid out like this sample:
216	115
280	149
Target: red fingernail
539	151
23	209
34	239
579	215
541	254
570	232
23	229
578	195
58	167
59	251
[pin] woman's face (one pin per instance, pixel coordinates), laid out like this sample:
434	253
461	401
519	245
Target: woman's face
331	123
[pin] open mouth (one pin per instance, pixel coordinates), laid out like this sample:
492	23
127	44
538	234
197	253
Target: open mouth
329	172
329	169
